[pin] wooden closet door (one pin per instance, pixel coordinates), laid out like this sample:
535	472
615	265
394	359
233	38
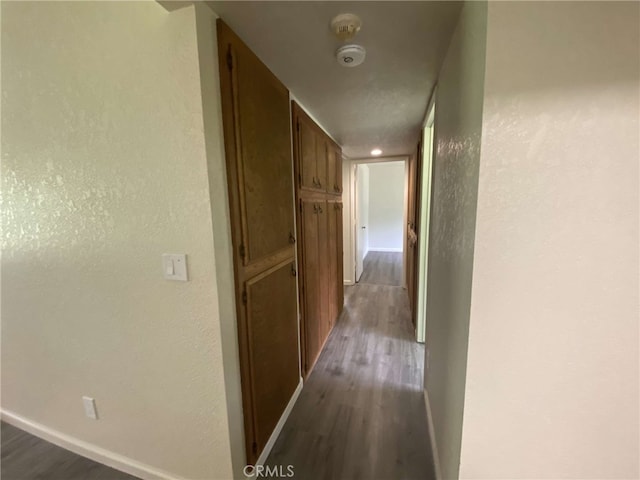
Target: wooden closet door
340	255
307	155
332	186
338	168
323	254
312	290
257	134
321	161
335	259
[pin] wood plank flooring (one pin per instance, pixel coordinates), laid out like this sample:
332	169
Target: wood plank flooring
361	413
25	457
382	268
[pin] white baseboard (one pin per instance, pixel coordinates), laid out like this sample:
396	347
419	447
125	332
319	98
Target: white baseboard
276	431
384	249
432	437
88	450
348	282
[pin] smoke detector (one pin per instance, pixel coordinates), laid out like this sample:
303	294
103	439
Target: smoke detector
345	26
350	55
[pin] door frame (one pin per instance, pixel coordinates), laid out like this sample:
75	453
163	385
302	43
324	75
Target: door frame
425	187
352	205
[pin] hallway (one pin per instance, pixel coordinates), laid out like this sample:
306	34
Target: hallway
361	414
382	268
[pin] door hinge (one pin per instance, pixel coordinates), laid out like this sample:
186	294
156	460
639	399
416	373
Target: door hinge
299	178
254	447
298	126
243	252
229	59
244	297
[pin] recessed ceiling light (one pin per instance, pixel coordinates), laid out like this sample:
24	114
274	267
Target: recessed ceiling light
376	152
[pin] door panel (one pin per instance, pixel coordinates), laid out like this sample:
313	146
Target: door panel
257	139
312	274
307	155
272	329
321	163
340	249
338	169
332	260
323	257
332	186
264	161
336	298
415	163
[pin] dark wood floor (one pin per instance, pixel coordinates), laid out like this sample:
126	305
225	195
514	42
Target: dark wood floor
361	413
382	268
25	457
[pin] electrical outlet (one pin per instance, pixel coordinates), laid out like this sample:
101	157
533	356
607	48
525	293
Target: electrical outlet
90	407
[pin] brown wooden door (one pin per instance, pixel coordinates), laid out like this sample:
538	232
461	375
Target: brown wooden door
332	259
321	161
334	169
310	152
336	291
413	213
312	278
332	185
307	163
257	136
338	169
325	271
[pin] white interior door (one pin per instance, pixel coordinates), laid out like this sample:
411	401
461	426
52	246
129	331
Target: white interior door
361	217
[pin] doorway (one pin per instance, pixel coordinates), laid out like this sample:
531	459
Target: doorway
425	216
379	212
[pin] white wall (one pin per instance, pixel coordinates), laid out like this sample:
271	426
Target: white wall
386	206
361	216
348	240
552	387
458	123
104	168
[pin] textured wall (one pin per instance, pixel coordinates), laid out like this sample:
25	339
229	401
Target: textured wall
386	205
552	386
458	123
103	170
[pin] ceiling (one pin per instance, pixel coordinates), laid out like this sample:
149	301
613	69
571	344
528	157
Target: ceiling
380	103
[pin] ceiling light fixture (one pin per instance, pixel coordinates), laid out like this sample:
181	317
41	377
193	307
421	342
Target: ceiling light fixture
345	26
376	151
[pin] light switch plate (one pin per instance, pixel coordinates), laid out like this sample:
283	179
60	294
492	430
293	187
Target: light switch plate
90	407
174	266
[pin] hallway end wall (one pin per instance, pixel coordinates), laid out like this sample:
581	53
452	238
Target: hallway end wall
386	206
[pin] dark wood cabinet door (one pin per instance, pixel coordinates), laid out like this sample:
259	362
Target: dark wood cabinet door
340	256
338	169
323	254
334	217
272	330
307	155
257	138
311	281
261	107
321	161
332	186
